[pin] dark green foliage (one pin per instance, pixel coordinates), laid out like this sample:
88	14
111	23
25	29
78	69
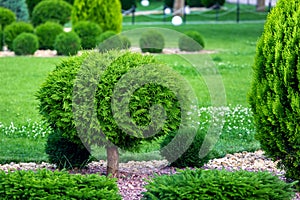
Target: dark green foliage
47	33
31	4
105	13
70	1
25	44
67	43
13	30
217	185
127	4
6	17
194	3
109	40
191	41
1	38
45	184
88	32
275	94
19	7
209	3
191	157
64	153
152	41
51	10
169	3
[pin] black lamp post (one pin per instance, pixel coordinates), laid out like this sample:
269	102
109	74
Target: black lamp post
238	11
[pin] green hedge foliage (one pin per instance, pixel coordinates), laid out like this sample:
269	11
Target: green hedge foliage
217	185
127	4
13	30
191	41
109	40
25	44
209	3
88	33
47	33
51	10
19	7
152	41
105	13
67	43
275	94
64	153
1	38
45	184
6	17
191	157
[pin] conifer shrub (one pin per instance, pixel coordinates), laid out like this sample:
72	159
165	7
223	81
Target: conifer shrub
51	10
109	40
1	38
25	44
6	17
13	30
18	7
67	43
88	33
107	14
275	94
190	157
31	4
46	184
217	185
65	153
191	41
152	41
47	33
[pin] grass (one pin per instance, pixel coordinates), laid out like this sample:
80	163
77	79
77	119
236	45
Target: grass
235	49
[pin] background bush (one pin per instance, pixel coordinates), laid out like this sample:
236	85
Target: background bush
1	39
64	153
13	30
56	185
105	13
6	17
88	32
67	43
275	95
191	157
51	10
109	40
19	7
127	4
25	44
152	41
191	41
47	33
209	3
217	185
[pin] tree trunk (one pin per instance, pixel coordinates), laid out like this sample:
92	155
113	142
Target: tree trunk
260	5
112	161
178	7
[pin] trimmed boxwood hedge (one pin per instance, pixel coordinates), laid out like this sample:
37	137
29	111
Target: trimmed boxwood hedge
45	184
218	185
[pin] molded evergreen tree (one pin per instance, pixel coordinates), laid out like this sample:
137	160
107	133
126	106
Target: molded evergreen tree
105	13
275	91
19	7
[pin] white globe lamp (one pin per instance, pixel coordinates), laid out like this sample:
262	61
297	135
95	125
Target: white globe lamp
176	20
145	3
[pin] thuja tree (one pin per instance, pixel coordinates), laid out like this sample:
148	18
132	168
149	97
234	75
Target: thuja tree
275	91
105	13
115	99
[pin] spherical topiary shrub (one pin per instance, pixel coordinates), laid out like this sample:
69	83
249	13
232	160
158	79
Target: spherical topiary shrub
152	41
191	157
107	14
18	7
65	153
67	43
109	40
88	32
51	10
275	94
191	41
218	184
25	44
6	17
47	33
13	30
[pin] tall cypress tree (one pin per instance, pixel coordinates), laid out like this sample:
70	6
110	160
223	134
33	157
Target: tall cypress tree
19	7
